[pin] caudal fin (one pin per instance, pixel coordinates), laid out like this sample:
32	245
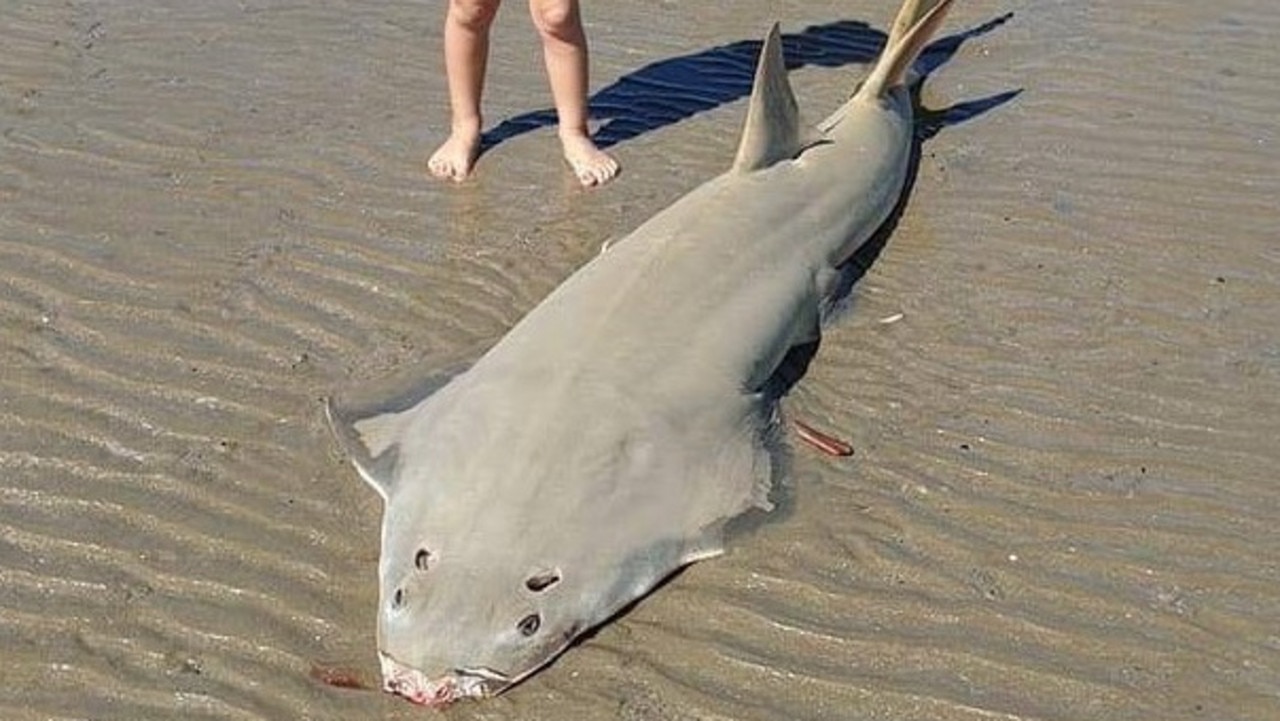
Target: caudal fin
915	24
908	15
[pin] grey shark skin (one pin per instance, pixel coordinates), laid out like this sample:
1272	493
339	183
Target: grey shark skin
604	442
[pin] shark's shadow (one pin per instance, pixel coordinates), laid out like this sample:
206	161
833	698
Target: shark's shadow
667	91
795	364
929	122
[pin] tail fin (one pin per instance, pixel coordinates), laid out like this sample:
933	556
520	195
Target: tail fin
915	24
908	15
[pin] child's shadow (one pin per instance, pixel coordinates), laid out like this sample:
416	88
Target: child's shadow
668	91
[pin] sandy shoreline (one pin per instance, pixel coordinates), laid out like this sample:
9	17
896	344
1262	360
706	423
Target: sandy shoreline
1063	500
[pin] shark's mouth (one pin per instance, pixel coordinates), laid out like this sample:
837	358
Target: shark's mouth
412	684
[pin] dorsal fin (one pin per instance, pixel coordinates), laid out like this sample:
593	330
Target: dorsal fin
772	131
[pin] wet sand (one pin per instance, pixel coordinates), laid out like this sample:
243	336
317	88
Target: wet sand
1063	503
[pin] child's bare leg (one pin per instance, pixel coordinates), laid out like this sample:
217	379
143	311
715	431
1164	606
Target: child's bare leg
564	47
466	52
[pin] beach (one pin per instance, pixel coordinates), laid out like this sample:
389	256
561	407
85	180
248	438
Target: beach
1060	376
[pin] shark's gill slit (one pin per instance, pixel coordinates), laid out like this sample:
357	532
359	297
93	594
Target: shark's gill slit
542	581
529	624
422	559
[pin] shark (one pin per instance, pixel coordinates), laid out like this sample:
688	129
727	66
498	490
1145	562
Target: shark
611	436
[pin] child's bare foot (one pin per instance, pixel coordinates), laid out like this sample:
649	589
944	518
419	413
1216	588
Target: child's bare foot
457	156
592	165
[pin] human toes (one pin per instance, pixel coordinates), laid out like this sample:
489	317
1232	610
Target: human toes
448	168
454	160
595	168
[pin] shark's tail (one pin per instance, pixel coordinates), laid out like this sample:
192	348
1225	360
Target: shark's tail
915	24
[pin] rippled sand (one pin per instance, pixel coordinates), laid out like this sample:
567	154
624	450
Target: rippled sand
1064	500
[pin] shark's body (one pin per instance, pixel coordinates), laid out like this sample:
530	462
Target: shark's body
608	437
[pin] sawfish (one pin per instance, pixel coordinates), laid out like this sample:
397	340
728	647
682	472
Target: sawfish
612	434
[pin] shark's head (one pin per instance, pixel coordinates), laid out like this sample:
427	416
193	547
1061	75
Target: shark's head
472	611
499	548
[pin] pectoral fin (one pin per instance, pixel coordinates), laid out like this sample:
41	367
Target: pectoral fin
370	422
370	443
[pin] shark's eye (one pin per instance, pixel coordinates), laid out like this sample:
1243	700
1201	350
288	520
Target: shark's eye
529	624
422	559
542	581
397	598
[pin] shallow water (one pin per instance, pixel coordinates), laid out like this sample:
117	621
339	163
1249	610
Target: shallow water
1063	502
